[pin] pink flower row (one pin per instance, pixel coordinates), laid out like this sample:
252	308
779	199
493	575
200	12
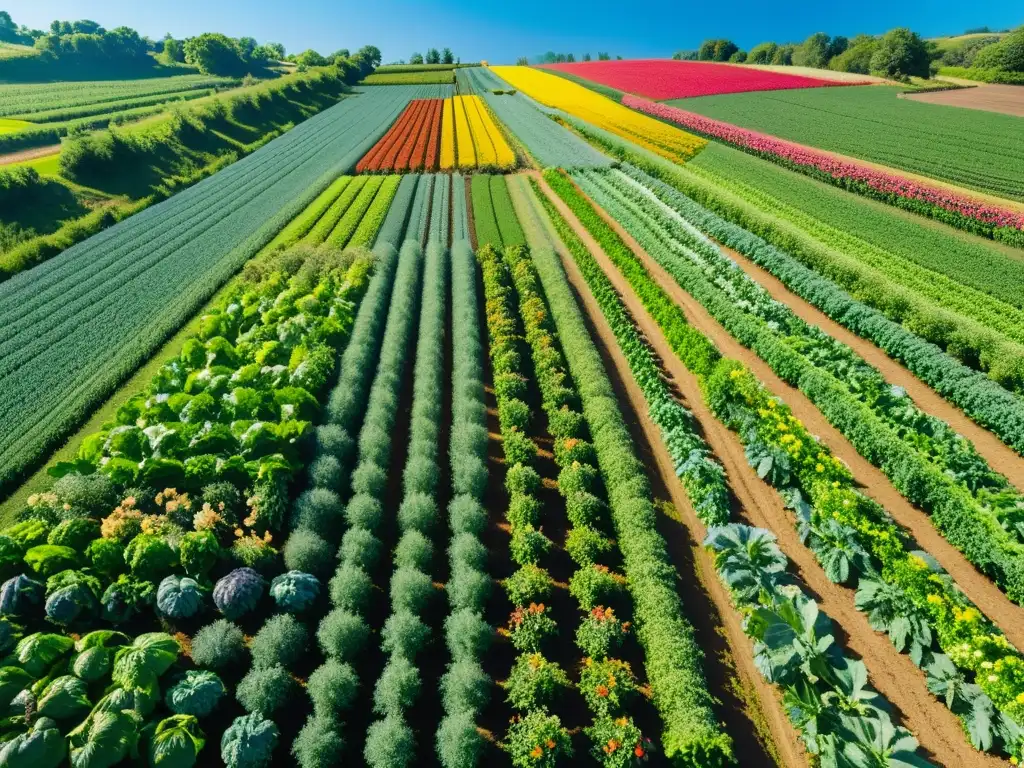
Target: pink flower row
839	169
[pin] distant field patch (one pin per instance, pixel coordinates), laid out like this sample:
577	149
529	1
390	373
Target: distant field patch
24	99
428	77
667	79
967	147
12	126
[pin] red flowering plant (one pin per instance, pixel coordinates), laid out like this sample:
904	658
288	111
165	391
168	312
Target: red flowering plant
955	209
601	632
529	627
537	740
618	743
606	685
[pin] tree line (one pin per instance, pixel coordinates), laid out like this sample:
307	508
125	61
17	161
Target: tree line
444	56
898	54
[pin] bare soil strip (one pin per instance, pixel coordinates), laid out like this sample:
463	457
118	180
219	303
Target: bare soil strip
891	673
29	154
872	482
1000	456
1006	99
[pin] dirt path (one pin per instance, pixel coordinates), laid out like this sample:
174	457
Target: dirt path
892	673
873	483
1000	456
1005	99
29	154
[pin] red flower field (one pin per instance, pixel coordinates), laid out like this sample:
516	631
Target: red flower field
668	79
411	143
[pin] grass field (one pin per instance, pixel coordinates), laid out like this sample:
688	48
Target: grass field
972	149
429	77
7	125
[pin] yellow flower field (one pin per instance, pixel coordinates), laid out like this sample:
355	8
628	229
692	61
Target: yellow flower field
471	139
559	93
448	136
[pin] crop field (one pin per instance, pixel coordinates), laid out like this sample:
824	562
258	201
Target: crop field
413	142
973	149
661	79
43	101
470	138
557	93
497	421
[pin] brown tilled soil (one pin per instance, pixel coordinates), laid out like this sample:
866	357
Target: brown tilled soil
29	154
1000	456
1007	99
872	482
891	673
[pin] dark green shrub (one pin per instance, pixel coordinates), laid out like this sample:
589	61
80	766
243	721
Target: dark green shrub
389	744
369	478
518	448
469	476
219	645
404	633
106	557
523	510
513	414
92	495
467	635
421	475
411	590
468	588
364	511
468	440
375	443
578	478
530	584
75	533
570	449
342	634
467	551
318	744
282	641
459	743
418	512
585	509
528	545
308	552
534	682
566	423
360	547
509	385
332	440
326	472
266	690
522	479
414	550
397	688
466	515
465	687
333	688
595	585
199	552
586	546
216	494
320	510
351	588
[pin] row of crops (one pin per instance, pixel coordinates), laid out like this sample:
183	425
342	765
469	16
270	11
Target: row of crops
77	325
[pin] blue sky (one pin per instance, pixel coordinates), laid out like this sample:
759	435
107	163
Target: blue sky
501	32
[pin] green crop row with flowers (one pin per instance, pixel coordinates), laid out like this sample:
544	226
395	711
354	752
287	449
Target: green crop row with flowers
905	595
983	400
749	561
466	688
975	508
673	660
607	683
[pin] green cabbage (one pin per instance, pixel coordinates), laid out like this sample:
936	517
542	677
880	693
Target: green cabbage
249	742
41	747
176	742
197	693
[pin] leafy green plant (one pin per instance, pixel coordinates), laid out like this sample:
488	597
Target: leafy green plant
266	689
197	693
528	584
601	632
249	742
281	641
537	740
333	688
534	682
529	627
219	645
176	742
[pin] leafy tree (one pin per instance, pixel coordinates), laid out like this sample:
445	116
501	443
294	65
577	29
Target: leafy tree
901	53
447	57
837	45
214	54
813	52
586	57
603	57
311	58
8	32
416	58
522	61
739	57
86	27
570	58
762	53
1007	54
716	50
174	50
783	55
857	57
372	54
433	56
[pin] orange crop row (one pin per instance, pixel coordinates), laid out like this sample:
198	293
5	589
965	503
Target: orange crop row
412	142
